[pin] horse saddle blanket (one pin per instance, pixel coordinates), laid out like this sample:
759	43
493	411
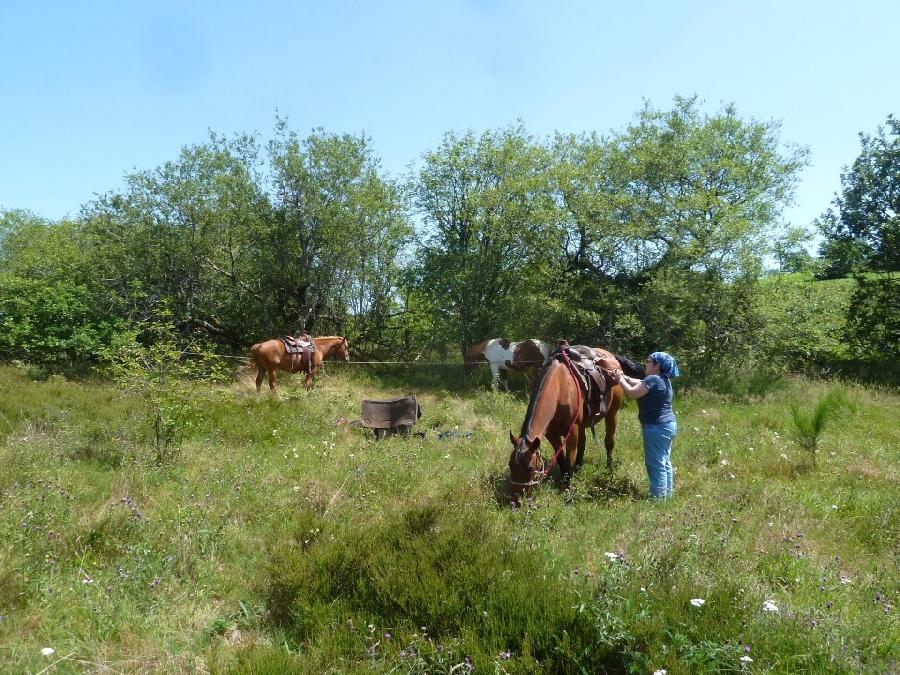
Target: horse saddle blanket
390	413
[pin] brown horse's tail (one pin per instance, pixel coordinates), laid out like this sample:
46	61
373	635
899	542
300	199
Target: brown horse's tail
254	356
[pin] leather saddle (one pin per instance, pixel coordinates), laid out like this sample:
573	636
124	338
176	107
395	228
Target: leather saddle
300	351
591	369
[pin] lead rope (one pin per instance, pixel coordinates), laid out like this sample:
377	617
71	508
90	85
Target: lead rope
571	369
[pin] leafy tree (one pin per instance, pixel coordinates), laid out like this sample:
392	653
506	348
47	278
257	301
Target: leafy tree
337	229
703	191
483	201
238	245
862	230
181	236
663	227
54	309
862	236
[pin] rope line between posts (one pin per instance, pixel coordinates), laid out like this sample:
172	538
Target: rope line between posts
364	363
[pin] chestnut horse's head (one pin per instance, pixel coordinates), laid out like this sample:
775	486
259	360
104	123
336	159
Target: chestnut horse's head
526	466
343	349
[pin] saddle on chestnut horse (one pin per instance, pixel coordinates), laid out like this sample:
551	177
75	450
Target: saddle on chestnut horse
592	371
300	350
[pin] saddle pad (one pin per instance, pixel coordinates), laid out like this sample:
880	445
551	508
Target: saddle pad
390	413
294	346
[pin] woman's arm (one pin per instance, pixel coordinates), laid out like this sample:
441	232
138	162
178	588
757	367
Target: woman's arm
632	387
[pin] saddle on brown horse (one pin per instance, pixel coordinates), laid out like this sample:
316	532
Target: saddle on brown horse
592	370
300	350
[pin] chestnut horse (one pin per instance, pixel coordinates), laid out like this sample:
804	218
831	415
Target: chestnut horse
271	356
556	411
502	355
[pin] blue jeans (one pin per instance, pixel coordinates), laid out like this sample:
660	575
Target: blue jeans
658	457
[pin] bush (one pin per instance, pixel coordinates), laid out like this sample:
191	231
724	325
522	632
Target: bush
438	572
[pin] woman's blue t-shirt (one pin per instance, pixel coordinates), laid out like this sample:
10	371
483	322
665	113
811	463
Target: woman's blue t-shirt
655	407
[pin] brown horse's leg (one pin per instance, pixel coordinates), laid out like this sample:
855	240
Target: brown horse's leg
308	383
567	460
582	440
260	374
272	379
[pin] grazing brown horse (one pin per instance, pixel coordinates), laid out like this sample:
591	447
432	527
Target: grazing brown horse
556	411
271	356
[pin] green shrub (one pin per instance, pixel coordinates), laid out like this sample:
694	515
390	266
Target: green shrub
808	427
438	566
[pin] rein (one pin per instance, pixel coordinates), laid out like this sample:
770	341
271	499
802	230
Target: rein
547	469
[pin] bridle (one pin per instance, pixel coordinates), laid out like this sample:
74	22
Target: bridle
537	475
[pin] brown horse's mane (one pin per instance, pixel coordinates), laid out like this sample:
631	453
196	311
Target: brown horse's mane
329	340
535	396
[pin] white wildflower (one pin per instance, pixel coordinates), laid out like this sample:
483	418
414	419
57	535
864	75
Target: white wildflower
784	456
661	671
834	507
846	580
48	651
698	602
769	606
724	462
611	556
746	659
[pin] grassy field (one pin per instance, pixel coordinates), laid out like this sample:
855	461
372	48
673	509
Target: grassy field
271	539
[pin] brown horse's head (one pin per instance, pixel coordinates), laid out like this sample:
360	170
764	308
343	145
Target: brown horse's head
343	349
526	466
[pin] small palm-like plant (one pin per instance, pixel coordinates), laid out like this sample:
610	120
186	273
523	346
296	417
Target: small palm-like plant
809	427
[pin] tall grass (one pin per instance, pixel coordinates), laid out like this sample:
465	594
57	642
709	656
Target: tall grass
278	541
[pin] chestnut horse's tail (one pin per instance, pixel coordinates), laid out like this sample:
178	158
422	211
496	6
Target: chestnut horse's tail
631	368
253	361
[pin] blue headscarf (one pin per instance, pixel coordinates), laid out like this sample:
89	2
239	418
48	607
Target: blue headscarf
666	363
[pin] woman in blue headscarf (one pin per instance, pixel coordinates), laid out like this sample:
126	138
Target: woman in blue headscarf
654	397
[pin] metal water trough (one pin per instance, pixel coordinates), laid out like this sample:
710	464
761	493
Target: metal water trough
390	416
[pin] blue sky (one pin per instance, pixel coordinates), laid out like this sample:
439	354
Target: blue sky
92	90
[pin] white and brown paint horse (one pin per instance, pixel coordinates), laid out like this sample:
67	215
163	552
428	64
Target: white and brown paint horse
502	356
271	356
